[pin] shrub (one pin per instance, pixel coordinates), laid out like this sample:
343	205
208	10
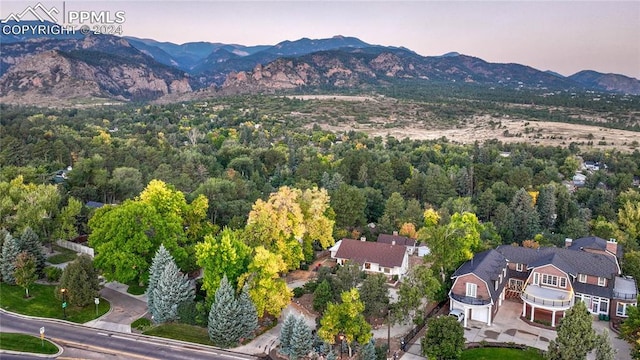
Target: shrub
52	273
141	324
298	292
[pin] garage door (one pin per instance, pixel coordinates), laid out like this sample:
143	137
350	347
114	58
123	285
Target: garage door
479	314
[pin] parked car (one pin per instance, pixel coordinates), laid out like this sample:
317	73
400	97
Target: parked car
458	314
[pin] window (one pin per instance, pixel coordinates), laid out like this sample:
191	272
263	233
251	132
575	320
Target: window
563	282
367	266
536	279
550	280
472	290
386	270
495	285
582	278
519	267
602	281
621	309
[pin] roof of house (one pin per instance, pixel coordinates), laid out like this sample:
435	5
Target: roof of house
400	240
488	266
593	242
569	260
594	290
385	255
94	204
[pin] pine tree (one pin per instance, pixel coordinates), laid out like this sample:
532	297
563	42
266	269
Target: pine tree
160	261
575	337
30	243
172	289
332	355
80	279
249	322
224	317
285	333
368	351
10	251
546	206
604	350
25	273
301	339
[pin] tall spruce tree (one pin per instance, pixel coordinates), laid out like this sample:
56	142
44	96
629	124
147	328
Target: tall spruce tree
10	251
30	242
80	279
285	333
173	288
524	216
225	328
301	341
159	262
546	206
575	337
248	312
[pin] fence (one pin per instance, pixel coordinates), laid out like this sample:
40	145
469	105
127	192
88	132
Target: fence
75	247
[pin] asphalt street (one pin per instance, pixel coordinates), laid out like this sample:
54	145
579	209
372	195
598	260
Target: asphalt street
110	343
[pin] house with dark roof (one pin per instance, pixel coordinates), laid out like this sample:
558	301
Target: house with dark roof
395	239
547	280
373	257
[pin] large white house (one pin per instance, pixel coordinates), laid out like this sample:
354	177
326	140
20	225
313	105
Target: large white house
373	257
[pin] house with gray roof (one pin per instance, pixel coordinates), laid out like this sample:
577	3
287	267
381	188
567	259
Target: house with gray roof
373	257
548	280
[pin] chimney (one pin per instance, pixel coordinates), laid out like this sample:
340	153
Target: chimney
612	246
363	238
568	242
393	242
395	233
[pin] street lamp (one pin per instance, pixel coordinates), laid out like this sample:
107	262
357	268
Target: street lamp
64	302
341	337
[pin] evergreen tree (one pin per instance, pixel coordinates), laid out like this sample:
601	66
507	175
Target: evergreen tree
173	288
249	314
604	350
368	351
25	273
322	296
10	251
158	264
285	333
575	337
525	218
80	279
224	317
30	243
301	339
332	355
546	206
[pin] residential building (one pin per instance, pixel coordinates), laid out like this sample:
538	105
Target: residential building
388	259
395	239
547	280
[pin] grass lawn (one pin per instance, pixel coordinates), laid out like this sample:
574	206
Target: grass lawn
26	343
489	353
43	303
190	333
135	288
63	256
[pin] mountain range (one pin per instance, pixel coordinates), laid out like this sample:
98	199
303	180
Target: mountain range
41	70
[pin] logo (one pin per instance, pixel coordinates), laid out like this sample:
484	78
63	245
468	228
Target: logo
39	11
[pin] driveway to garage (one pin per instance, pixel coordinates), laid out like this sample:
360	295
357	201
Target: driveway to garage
508	327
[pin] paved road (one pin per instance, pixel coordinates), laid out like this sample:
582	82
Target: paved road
111	344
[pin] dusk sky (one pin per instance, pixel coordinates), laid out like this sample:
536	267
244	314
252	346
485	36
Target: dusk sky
565	37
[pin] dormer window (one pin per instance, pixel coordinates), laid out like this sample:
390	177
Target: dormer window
602	281
519	267
582	278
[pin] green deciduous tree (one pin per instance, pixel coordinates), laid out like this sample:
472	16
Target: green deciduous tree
629	220
420	283
80	279
604	350
630	330
322	296
575	337
267	290
223	255
444	339
25	272
172	289
375	295
345	318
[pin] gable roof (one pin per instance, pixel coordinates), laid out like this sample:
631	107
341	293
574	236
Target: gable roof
400	240
487	265
385	255
569	260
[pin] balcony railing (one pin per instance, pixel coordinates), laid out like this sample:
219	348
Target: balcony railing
545	302
624	296
470	300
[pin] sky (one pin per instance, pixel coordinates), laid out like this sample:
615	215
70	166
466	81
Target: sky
562	36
